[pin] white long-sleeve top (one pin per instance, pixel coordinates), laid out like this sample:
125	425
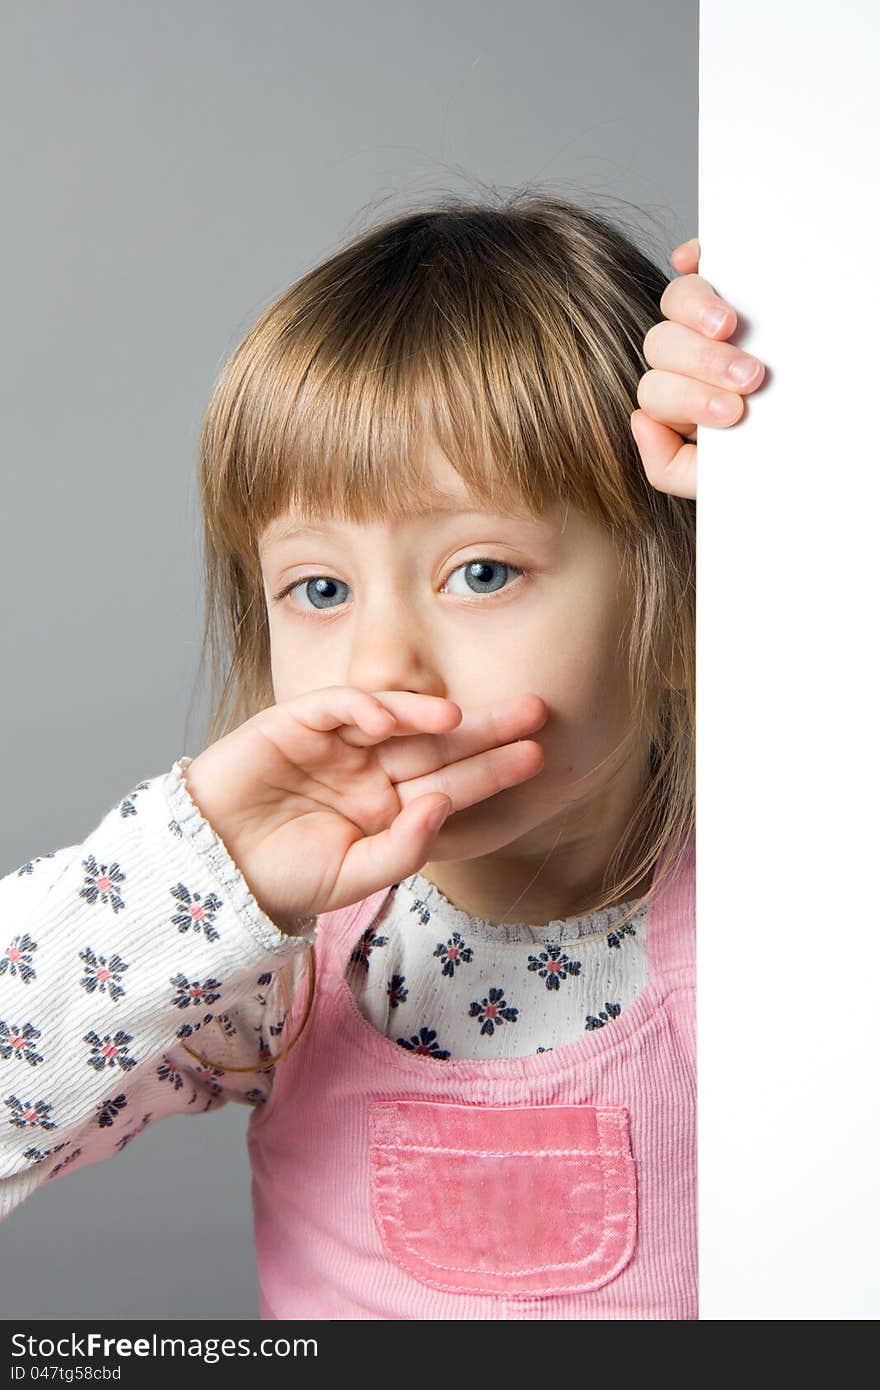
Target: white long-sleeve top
118	952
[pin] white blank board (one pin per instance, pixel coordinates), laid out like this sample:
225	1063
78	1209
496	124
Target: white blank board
788	704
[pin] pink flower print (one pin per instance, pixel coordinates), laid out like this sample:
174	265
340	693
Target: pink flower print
196	914
553	965
493	1011
194	992
17	959
29	1114
453	952
18	1042
109	1052
102	974
101	882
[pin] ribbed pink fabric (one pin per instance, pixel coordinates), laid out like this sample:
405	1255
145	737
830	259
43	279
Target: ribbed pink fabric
387	1184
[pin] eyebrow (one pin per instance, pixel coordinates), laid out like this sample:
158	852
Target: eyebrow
440	507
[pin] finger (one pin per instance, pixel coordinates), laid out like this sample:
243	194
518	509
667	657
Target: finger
682	403
362	718
404	846
490	726
691	300
670	463
671	347
686	257
374	861
473	779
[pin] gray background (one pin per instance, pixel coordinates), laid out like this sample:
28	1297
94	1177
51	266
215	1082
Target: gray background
167	170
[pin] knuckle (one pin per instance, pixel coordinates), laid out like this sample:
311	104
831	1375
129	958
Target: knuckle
712	360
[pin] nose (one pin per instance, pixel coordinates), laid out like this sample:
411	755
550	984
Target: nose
392	649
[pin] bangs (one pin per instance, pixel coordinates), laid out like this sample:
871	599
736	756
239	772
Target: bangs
432	330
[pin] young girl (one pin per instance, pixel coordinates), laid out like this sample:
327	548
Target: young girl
425	902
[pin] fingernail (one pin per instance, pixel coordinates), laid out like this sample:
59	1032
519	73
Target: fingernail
713	318
744	371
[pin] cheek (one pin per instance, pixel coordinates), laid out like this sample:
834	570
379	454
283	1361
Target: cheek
592	712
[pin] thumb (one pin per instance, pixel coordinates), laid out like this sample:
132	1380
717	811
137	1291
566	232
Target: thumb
375	861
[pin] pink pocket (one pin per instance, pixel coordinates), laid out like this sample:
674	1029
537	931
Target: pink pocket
530	1199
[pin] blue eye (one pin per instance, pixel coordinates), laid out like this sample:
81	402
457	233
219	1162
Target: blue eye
484	576
322	591
323	588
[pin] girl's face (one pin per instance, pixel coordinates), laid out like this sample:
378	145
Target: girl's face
475	607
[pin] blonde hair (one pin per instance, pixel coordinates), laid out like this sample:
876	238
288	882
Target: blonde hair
511	330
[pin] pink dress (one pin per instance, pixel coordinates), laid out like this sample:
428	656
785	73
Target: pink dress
387	1184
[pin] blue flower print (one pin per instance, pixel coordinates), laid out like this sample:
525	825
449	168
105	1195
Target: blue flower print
612	1011
102	882
127	804
615	937
419	906
193	992
186	1030
396	992
197	914
102	974
453	952
553	965
133	1133
109	1052
18	958
493	1011
29	1114
64	1162
368	942
35	1155
18	1042
167	1071
424	1043
108	1110
28	868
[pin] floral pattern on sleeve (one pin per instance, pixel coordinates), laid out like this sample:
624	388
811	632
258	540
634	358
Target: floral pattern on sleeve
95	974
